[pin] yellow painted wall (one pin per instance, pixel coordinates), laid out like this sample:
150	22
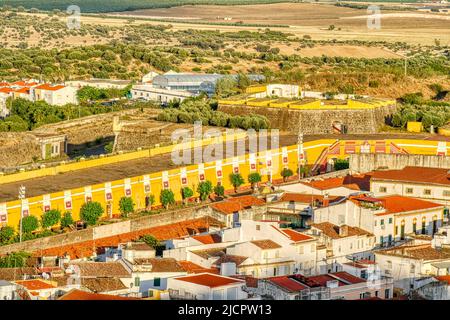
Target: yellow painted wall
313	150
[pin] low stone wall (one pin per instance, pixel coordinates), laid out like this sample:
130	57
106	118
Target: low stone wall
109	230
370	161
317	121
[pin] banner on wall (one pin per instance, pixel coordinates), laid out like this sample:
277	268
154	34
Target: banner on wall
183	177
301	153
147	185
3	213
269	160
252	161
67	200
201	172
46	202
365	147
219	172
88	194
165	179
235	165
441	148
108	191
127	187
25	208
284	156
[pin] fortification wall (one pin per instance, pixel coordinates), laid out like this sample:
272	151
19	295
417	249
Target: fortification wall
313	121
373	161
109	230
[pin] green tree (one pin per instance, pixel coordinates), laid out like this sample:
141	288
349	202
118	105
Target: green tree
126	206
254	178
341	164
6	234
29	224
219	190
90	212
186	193
50	218
204	188
286	173
150	240
167	198
66	220
236	180
15	259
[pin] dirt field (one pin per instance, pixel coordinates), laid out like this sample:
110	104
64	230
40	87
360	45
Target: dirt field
80	178
314	19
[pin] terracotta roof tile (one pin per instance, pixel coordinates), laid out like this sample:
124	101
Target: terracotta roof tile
161	264
210	280
332	230
49	87
102	269
238	260
99	285
353	182
418	252
210	253
76	294
36	284
191	267
11	274
287	283
266	244
416	175
235	204
398	204
208	238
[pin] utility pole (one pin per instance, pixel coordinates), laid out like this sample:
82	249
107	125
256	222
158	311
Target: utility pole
22	191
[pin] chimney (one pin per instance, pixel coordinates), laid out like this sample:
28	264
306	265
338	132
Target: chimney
343	230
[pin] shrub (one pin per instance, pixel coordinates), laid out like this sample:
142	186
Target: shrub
186	193
254	177
14	260
150	240
29	224
126	206
341	164
236	180
204	189
50	218
219	190
167	198
66	220
286	173
6	234
90	212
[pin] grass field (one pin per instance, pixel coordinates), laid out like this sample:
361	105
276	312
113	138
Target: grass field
123	5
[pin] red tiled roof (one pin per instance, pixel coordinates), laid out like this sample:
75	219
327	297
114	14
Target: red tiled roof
191	267
22	90
76	294
306	198
208	238
266	244
247	201
287	283
296	236
235	204
162	233
398	204
444	278
36	284
418	252
354	182
415	174
332	230
348	277
50	87
238	260
6	90
4	84
209	280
